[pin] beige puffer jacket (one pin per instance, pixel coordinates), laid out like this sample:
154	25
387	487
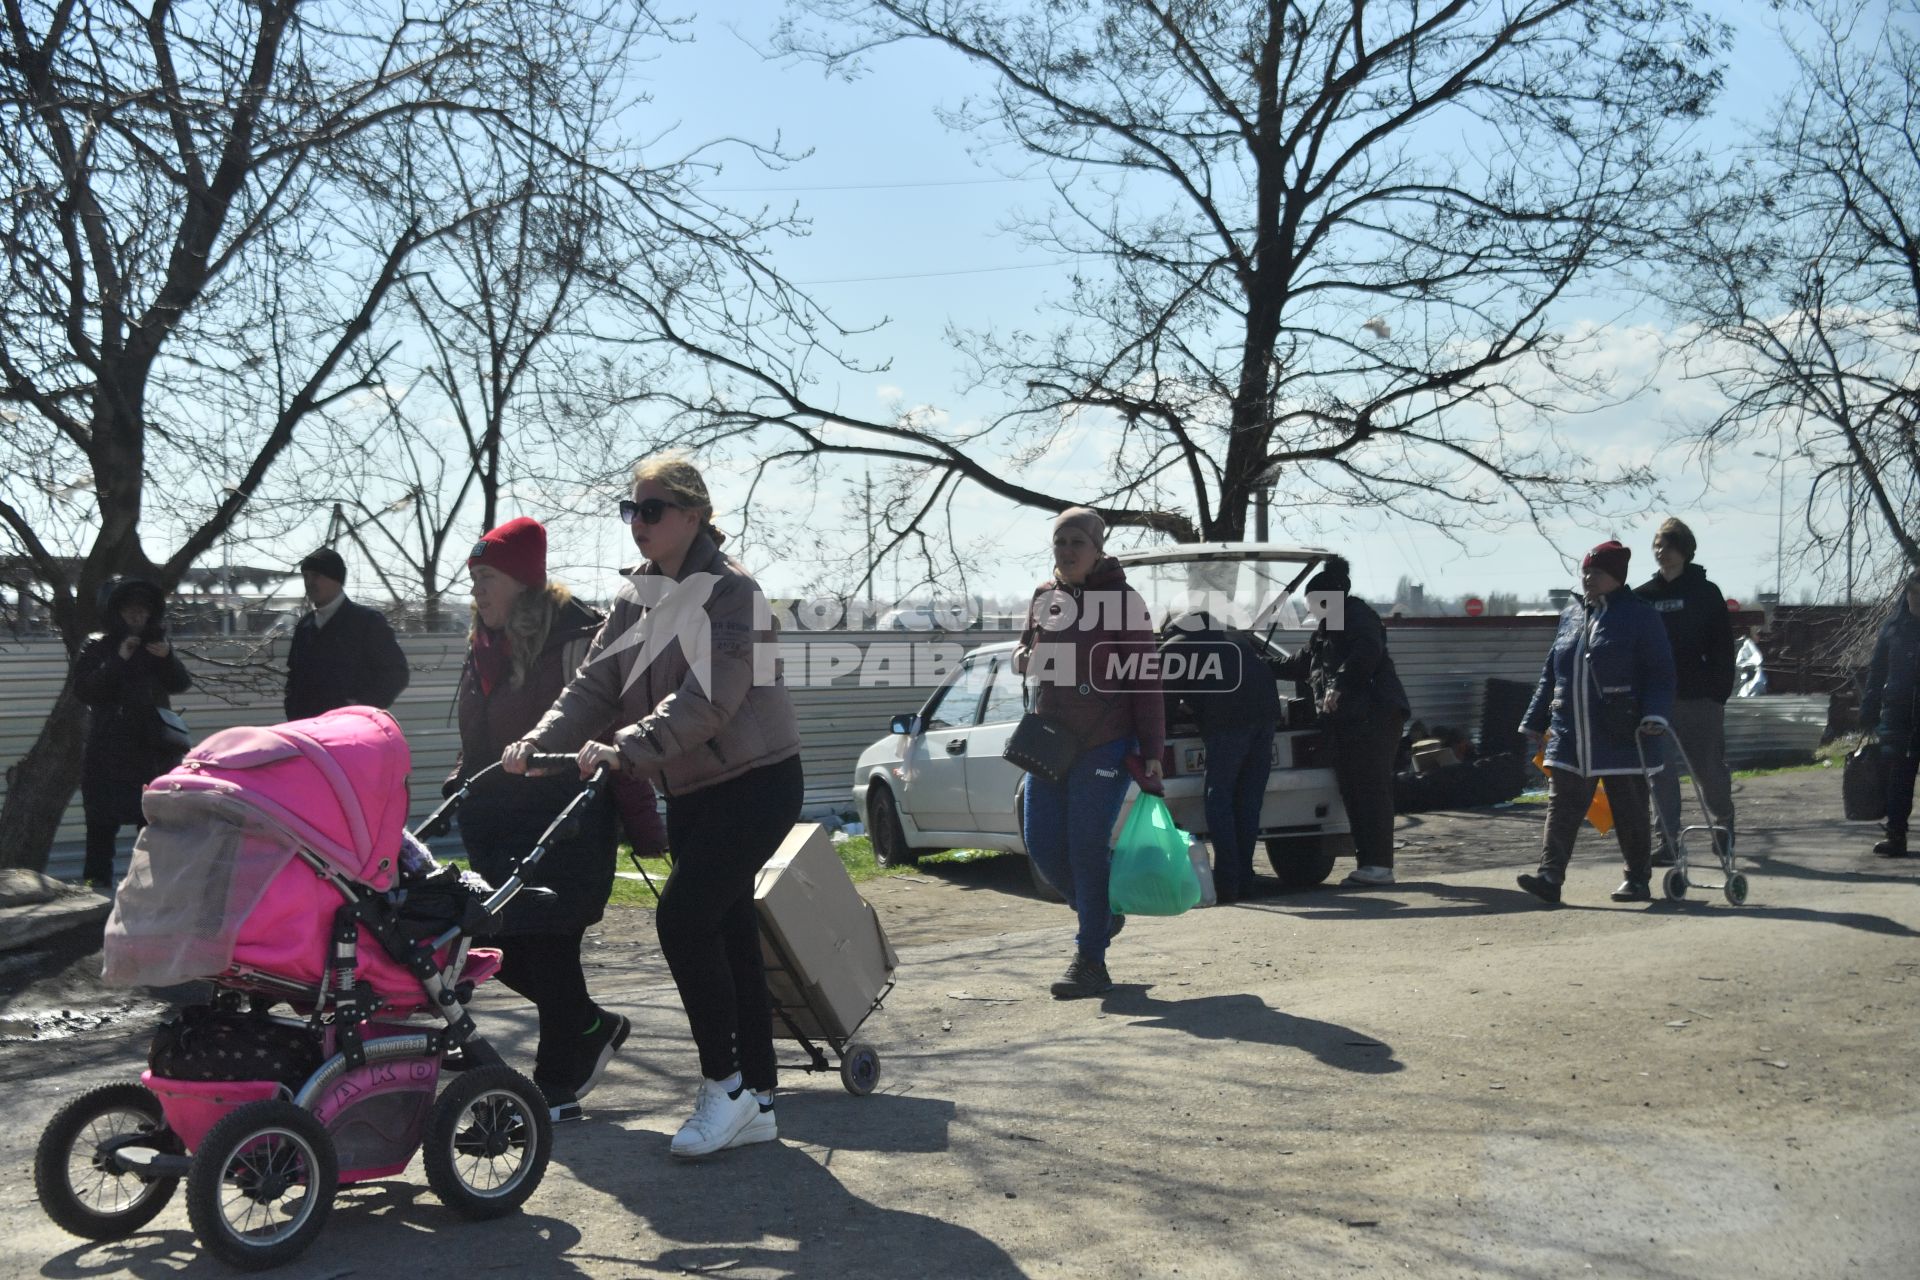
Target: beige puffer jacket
674	729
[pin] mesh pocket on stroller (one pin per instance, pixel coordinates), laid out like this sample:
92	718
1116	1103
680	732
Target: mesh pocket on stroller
201	1043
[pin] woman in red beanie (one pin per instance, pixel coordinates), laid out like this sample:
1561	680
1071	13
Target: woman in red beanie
1608	678
528	637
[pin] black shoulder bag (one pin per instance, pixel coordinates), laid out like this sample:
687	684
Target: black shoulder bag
1041	745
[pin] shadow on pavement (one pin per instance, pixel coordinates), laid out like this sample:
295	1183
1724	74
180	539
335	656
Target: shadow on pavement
376	1228
775	1209
1761	911
894	1122
1250	1020
1452	900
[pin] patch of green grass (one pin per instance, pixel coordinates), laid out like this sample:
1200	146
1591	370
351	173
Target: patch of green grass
1768	773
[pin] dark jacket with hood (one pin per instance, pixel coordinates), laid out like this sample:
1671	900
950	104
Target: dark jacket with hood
353	661
1698	628
1893	681
1351	659
503	816
1088	650
121	694
1226	682
1610	668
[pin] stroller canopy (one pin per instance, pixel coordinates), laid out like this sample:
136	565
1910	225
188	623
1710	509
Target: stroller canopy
336	782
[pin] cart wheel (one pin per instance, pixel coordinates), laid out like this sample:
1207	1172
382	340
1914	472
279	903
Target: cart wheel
860	1069
487	1142
80	1189
1675	885
1737	889
262	1184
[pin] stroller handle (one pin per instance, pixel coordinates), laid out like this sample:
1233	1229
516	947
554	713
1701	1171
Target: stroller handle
563	827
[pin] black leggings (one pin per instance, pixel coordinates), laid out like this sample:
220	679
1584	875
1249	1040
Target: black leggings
109	806
545	969
720	837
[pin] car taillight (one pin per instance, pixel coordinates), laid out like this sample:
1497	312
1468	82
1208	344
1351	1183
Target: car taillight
1307	750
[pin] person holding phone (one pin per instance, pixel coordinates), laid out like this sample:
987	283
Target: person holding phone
125	675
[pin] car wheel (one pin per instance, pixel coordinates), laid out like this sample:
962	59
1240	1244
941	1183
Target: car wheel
1042	888
883	828
1301	862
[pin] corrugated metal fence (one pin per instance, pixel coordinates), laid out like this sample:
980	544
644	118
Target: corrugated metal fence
844	689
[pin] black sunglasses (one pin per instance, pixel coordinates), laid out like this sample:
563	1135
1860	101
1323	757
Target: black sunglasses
648	512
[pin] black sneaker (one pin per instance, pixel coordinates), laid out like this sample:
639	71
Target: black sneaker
1633	891
1891	848
1084	977
1663	859
562	1106
598	1045
1548	891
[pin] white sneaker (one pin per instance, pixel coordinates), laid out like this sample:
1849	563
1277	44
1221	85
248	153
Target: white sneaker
1368	877
717	1120
762	1128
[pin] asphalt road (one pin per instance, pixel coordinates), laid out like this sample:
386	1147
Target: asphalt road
1443	1079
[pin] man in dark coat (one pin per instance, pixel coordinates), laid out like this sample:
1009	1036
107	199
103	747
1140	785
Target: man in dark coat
125	676
1701	634
1889	705
343	654
1363	707
1226	682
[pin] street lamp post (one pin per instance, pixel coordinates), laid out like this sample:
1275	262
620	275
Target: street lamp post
1779	459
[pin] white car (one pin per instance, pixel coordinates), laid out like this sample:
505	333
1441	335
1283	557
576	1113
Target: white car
937	780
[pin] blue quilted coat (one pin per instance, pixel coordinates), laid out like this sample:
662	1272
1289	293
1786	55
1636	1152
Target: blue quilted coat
1610	666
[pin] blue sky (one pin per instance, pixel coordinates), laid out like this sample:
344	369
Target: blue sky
907	227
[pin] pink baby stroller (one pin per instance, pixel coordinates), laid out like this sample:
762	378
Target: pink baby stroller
272	864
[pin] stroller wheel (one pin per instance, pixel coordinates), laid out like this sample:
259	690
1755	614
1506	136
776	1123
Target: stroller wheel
1737	889
1675	884
262	1184
487	1142
80	1185
860	1069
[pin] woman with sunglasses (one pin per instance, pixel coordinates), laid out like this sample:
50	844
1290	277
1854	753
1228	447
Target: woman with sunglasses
682	681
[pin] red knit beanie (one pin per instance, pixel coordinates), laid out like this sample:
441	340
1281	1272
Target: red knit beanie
1609	558
517	548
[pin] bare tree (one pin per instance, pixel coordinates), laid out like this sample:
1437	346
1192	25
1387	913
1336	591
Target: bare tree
200	237
1803	282
1325	245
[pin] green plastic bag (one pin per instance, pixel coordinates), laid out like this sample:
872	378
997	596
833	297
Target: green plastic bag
1152	874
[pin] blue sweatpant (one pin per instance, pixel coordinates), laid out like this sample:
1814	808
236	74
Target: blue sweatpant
1239	762
1068	827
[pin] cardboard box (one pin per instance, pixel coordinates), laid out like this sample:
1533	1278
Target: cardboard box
827	956
1430	754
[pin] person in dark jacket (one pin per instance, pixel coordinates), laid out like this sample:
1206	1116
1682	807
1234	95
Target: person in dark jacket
343	654
1084	615
528	636
125	676
1607	680
1235	701
1889	705
1701	635
1363	708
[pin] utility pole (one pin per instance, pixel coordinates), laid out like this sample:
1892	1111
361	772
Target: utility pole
1853	470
